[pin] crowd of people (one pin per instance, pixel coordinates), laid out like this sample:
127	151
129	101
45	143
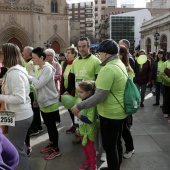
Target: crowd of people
33	83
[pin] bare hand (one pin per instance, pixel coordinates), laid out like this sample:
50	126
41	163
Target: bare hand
30	68
75	110
35	104
66	92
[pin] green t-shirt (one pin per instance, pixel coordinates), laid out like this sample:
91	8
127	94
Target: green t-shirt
88	131
164	77
112	78
66	73
26	65
160	65
85	68
50	108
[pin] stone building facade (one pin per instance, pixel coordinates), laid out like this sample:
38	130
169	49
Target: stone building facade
34	22
149	28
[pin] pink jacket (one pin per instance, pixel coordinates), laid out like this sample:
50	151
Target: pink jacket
58	74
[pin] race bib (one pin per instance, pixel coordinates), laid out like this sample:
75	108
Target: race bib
7	118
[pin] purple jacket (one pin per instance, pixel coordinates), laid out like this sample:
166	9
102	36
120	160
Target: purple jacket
9	157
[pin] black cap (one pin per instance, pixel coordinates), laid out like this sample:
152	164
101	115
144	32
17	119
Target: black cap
108	46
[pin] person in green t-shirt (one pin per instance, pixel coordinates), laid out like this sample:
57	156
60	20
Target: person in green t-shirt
87	125
62	59
157	67
166	86
110	80
65	81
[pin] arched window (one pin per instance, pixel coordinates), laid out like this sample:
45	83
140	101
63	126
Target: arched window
148	45
54	6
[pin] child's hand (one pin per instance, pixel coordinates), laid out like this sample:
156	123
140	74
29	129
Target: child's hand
77	133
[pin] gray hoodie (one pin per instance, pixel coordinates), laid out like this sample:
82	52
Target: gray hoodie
17	91
45	86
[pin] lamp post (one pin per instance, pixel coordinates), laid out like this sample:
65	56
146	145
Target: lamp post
47	44
156	37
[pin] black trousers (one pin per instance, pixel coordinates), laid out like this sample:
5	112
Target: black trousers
166	97
36	123
111	132
50	122
127	137
72	116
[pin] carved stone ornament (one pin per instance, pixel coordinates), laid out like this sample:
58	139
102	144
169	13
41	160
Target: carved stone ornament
11	1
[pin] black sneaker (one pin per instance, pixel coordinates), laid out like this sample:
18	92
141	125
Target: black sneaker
155	104
29	150
141	105
34	133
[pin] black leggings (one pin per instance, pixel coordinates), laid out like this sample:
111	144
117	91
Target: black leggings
111	132
50	122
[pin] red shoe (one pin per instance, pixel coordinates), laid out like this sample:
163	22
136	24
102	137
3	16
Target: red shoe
83	166
48	148
71	130
53	154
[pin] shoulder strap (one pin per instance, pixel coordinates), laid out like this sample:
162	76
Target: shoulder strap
113	94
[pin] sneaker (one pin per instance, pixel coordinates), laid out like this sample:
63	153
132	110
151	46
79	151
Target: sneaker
71	130
83	166
34	133
103	157
155	104
141	105
52	154
48	148
57	124
128	154
40	130
166	115
77	140
29	150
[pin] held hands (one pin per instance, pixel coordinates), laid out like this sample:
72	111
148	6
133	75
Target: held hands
75	110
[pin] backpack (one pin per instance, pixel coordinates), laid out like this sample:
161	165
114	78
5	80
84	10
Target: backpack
132	97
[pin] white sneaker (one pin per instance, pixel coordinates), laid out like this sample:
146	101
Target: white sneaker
57	124
165	115
128	154
103	157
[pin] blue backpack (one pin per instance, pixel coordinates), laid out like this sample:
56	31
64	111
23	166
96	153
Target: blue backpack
132	97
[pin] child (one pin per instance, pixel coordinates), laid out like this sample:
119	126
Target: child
87	126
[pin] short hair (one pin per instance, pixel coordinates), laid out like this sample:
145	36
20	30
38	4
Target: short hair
29	49
73	50
126	43
168	55
142	50
39	52
61	54
51	51
85	39
12	55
